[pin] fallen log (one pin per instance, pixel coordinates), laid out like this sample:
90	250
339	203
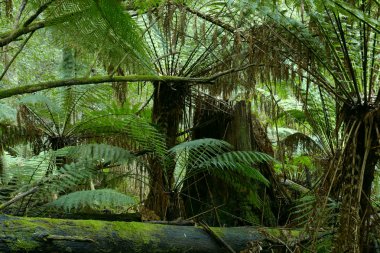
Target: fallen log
20	234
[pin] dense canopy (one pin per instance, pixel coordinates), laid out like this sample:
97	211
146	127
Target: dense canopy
210	113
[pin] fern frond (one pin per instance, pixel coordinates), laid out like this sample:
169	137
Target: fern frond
239	161
300	140
245	157
99	153
214	156
98	26
213	145
94	199
137	130
305	206
230	168
72	174
7	115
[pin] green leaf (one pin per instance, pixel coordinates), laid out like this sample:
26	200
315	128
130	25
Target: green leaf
94	199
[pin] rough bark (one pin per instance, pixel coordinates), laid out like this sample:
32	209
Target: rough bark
355	178
55	235
168	108
238	127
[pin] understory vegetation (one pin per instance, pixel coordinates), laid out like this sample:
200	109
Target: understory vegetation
218	113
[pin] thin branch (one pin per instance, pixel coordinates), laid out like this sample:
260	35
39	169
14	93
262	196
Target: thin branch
214	236
8	37
22	8
37	13
144	105
358	16
108	79
26	28
15	56
18	197
210	19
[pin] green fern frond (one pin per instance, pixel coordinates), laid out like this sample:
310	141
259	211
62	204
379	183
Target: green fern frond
230	168
99	153
95	199
137	130
299	140
98	26
211	145
239	161
214	156
7	115
39	100
305	206
245	157
192	153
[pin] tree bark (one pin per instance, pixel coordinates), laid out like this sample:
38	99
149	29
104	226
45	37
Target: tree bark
355	179
19	234
238	127
168	109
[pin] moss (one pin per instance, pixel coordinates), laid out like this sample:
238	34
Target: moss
283	234
25	245
275	232
295	233
141	234
218	231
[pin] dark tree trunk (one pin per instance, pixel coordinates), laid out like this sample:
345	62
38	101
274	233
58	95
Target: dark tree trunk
215	119
168	108
20	234
355	179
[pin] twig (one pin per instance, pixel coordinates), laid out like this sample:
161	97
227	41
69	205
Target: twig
38	12
214	236
178	222
207	211
15	56
144	105
22	8
18	197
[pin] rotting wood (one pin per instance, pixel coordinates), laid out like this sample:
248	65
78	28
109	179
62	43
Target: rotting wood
20	234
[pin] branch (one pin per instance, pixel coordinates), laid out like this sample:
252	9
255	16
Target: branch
210	19
8	37
6	93
18	197
15	56
38	12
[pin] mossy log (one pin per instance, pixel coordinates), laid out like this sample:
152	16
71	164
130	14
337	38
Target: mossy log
19	234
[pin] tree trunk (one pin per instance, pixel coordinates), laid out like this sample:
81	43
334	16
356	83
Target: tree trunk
19	234
168	108
359	160
215	119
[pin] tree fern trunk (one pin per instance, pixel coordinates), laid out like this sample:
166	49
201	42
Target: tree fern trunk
237	126
168	108
357	174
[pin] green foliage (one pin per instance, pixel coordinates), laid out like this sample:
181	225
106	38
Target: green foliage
99	153
215	157
93	199
79	24
304	208
7	115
